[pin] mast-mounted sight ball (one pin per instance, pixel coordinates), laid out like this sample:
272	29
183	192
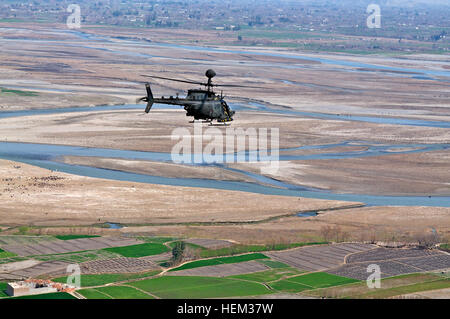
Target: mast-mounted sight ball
210	74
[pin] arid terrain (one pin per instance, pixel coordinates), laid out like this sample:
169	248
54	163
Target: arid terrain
224	149
68	200
349	124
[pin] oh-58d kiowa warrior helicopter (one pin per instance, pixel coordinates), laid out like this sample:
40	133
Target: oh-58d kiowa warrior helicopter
201	104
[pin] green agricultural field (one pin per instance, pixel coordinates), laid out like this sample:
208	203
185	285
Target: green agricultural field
2	290
118	292
408	289
180	287
269	275
92	293
17	92
242	249
322	280
311	281
222	260
360	289
54	295
141	250
103	279
6	254
289	286
69	237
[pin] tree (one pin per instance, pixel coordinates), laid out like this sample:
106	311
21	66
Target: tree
178	252
333	233
326	232
191	253
428	240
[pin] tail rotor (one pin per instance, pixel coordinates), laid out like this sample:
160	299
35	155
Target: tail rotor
149	98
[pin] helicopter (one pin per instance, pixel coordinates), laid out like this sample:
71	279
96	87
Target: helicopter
201	104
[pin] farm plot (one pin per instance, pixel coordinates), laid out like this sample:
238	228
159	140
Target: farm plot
70	237
2	290
114	292
223	270
11	260
92	280
140	250
155	239
158	258
426	286
273	263
91	293
57	246
393	262
389	253
311	281
78	257
117	265
269	275
9	277
321	257
24	240
219	261
391	286
6	254
44	268
175	287
436	262
209	243
55	295
18	265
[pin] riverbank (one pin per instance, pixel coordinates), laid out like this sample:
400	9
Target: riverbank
38	197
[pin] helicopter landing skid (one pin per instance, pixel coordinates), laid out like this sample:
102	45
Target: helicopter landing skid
220	125
201	121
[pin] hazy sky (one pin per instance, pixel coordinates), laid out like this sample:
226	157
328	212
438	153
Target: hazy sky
384	2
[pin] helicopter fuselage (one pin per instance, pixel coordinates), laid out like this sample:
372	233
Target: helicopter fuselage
202	105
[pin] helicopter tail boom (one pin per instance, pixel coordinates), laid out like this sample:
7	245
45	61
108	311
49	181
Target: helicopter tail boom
150	100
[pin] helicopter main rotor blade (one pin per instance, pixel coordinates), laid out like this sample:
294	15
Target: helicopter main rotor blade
176	80
237	86
202	83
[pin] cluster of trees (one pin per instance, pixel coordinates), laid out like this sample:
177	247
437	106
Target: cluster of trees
422	239
182	252
428	240
178	252
439	36
334	233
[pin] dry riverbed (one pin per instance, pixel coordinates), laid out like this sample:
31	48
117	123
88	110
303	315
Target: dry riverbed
36	196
